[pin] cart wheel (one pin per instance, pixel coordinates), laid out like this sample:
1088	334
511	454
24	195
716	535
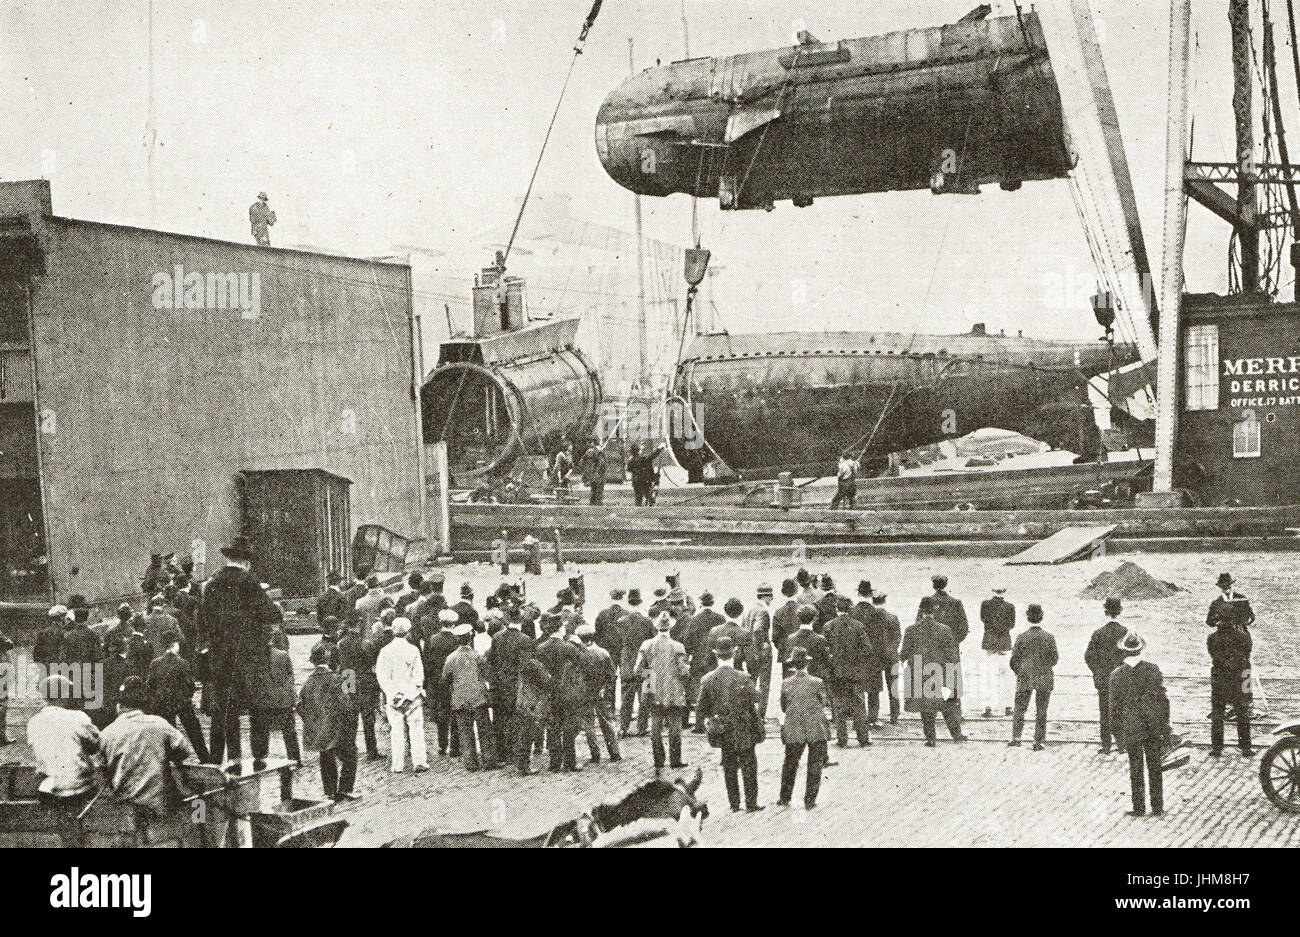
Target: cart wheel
1279	773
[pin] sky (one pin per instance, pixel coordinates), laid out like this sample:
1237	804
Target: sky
375	122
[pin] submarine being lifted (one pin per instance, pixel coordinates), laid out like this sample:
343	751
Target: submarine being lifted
793	401
949	108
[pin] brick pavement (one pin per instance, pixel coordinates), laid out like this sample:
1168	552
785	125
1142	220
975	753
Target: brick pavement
895	793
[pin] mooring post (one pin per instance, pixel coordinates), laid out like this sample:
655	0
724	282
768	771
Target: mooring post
503	558
559	553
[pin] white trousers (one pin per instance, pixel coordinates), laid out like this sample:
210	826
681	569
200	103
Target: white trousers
997	683
404	727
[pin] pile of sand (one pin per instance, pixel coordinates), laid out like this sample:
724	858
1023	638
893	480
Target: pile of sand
1128	581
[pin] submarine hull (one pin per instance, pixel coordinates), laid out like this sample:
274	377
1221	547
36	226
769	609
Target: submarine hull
794	401
948	108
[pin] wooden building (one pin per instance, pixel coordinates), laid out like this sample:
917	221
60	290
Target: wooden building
1239	429
145	374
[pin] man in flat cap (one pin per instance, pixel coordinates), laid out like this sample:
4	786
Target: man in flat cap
728	709
465	681
260	218
600	676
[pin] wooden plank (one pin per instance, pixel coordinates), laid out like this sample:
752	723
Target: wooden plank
1063	546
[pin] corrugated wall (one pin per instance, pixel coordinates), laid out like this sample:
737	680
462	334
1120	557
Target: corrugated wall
148	413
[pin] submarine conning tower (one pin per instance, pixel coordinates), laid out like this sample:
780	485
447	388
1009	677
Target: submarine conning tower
511	388
947	107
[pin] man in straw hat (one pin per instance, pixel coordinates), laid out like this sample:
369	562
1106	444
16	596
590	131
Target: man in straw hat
1140	715
236	619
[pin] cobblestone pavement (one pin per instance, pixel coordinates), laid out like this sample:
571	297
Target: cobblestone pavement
895	793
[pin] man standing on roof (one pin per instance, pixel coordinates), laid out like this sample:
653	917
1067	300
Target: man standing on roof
260	217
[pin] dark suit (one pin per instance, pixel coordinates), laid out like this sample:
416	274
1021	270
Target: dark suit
1032	661
819	657
356	664
275	708
886	633
329	726
785	622
999	617
235	619
1229	649
741	639
171	695
933	666
1236	611
731	696
49	641
853	663
803	700
560	656
1102	657
1140	713
436	651
636	630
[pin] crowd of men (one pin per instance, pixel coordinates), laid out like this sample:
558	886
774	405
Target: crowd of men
508	680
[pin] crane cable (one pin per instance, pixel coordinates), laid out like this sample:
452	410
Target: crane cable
577	51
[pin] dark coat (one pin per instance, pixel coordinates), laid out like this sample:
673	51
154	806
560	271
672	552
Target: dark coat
1103	654
999	617
933	663
278	691
730	695
562	661
1033	658
49	643
436	651
600	672
950	611
741	638
785	622
116	669
827	608
236	619
697	640
1229	663
332	603
819	655
609	634
170	684
1139	707
328	716
637	629
1236	612
853	658
510	650
885	631
80	645
804	701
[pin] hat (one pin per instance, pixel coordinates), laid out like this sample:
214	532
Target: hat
663	622
633	596
1131	643
1113	606
77	601
333	579
938	581
321	654
132	693
493	614
125	607
462	629
723	645
155	559
798	656
879	597
661	592
864	587
241	548
448	617
565	596
58	611
467	591
401	626
1225	580
999	589
765	590
262	197
706	598
827	581
586	631
436	578
617	594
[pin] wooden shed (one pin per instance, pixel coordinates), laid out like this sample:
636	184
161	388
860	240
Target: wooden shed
300	522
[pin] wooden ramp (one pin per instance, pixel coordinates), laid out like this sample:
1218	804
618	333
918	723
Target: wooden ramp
1063	546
